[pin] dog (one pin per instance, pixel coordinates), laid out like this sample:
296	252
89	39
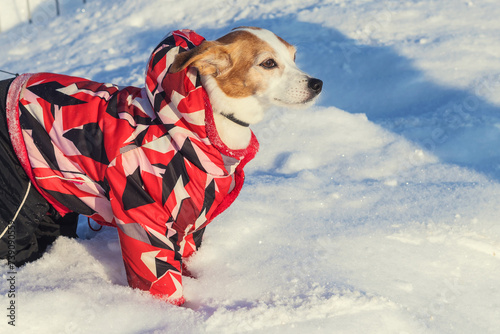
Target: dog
158	163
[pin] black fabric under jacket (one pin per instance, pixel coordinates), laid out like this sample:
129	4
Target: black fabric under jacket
37	224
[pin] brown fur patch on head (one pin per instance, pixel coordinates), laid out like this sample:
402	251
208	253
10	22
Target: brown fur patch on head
289	46
242	80
210	58
232	61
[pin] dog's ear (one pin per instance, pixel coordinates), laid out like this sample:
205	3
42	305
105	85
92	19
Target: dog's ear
210	58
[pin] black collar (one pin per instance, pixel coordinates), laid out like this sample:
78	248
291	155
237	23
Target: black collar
235	120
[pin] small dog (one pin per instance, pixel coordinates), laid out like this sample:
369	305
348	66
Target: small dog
158	163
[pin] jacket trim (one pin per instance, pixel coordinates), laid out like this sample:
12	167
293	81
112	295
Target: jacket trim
16	136
13	124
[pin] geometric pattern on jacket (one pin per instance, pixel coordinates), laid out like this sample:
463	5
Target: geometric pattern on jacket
148	161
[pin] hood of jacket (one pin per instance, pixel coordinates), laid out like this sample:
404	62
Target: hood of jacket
181	102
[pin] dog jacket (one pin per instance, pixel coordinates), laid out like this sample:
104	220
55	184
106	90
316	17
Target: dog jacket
147	161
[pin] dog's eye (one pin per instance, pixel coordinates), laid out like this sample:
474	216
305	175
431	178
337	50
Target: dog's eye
269	63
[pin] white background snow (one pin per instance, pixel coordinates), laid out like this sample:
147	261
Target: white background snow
376	211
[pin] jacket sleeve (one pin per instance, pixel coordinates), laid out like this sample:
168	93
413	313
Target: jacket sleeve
144	195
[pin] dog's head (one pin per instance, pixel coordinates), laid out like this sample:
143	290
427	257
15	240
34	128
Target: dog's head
248	70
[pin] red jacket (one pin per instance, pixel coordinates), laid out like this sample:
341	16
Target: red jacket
148	161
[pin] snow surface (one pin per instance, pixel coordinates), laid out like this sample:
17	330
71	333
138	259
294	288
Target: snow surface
377	211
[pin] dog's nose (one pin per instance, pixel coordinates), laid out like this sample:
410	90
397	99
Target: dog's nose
315	85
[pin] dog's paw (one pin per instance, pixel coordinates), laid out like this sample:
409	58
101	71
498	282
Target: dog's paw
186	272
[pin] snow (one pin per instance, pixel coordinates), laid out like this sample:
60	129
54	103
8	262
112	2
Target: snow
375	211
